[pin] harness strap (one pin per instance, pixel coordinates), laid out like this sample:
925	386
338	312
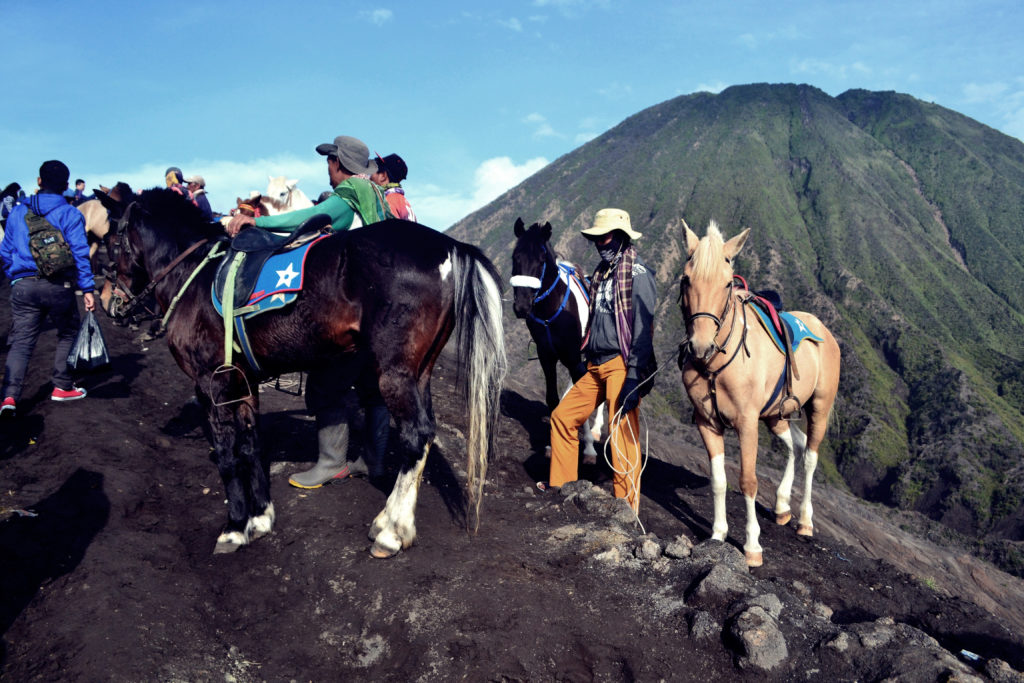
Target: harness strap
228	305
214	253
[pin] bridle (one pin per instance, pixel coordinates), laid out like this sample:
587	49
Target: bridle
537	283
701	366
124	301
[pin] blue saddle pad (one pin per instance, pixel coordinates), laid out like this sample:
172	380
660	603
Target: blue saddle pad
797	330
278	283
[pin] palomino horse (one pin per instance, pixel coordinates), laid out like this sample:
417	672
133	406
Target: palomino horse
734	373
97	222
554	315
396	289
283	195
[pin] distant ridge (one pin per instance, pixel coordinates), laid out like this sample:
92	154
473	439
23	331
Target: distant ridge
896	221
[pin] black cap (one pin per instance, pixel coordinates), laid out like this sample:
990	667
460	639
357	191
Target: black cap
54	175
393	165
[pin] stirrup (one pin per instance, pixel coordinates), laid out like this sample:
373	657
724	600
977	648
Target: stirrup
795	414
224	369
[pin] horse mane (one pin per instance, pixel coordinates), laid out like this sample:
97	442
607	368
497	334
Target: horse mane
708	256
177	217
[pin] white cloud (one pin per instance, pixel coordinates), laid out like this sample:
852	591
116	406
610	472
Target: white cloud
512	24
378	16
713	88
614	91
818	67
441	207
225	180
984	92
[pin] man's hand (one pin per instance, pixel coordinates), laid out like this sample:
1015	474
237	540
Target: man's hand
90	301
237	222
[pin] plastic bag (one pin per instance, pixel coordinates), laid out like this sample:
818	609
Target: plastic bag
89	350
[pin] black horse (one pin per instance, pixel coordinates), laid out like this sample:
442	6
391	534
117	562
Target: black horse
543	298
393	292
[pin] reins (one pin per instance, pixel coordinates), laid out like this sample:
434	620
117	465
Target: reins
546	323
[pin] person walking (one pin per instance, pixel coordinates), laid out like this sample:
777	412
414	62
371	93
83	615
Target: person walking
35	297
619	350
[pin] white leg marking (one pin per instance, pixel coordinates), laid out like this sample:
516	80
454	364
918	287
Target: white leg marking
753	530
395	527
806	510
786	485
587	438
233	538
446	268
262	524
718	486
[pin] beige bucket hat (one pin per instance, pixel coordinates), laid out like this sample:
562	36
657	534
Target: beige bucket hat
607	220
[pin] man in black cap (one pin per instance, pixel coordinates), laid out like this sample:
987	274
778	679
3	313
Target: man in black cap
34	297
391	171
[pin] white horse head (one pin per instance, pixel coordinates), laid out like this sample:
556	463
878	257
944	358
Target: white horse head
283	195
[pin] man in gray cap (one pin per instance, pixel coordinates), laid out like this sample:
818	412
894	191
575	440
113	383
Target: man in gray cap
355	202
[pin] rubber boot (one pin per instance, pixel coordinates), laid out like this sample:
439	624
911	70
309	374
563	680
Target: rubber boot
332	437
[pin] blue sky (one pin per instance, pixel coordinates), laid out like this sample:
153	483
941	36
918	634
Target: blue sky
474	96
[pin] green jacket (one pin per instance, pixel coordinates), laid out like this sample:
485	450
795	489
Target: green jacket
353	196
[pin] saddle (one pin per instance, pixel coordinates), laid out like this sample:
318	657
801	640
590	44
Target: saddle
251	249
787	332
239	272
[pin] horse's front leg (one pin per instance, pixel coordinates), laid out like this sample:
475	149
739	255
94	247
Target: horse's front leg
549	364
746	429
232	472
250	453
715	446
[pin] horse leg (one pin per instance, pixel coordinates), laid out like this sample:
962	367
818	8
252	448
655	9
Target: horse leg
549	364
746	429
795	442
224	430
394	528
261	508
715	446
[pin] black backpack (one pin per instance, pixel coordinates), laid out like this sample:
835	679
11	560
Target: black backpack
47	245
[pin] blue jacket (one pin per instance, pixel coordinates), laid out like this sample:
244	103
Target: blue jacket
14	251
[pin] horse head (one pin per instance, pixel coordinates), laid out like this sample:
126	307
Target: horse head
283	195
532	258
706	287
124	267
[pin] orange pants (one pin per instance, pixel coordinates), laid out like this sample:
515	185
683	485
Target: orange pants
601	382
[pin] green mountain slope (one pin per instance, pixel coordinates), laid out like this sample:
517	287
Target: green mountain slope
895	221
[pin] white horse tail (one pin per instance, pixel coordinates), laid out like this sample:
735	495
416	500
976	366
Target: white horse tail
480	341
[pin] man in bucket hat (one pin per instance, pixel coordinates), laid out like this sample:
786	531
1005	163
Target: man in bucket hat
619	350
355	202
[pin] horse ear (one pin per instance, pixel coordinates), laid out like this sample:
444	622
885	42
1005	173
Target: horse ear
519	227
292	183
691	238
547	231
108	202
733	246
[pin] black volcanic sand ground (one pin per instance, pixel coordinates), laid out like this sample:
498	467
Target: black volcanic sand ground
111	577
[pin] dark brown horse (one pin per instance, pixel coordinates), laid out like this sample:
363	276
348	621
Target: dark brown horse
396	290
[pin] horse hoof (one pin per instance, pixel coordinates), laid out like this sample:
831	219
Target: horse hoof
754	559
783	519
382	553
547	452
805	530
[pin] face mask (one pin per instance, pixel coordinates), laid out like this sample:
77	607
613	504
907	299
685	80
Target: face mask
610	250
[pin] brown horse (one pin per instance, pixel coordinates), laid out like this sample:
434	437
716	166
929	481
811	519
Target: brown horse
733	372
97	218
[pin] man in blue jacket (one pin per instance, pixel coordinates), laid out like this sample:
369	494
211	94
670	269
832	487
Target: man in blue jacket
34	298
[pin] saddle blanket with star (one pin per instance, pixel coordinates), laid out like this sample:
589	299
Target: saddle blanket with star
798	332
278	283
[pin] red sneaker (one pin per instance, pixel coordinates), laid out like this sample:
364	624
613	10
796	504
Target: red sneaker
72	394
7	408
